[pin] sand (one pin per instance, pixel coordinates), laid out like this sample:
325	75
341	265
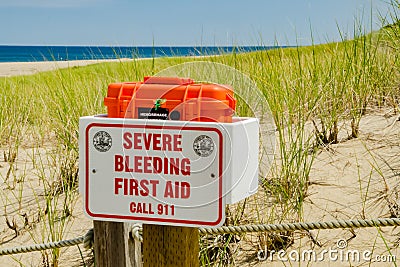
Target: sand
355	179
358	179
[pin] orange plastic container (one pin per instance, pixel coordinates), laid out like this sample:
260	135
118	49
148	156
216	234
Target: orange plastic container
170	98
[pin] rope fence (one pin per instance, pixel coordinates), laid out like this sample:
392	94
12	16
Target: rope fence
136	230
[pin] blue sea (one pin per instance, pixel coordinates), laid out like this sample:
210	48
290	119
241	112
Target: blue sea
11	53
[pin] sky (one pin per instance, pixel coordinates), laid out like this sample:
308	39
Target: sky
184	23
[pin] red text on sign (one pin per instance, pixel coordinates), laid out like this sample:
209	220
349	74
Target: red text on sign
178	190
141	207
133	187
147	164
152	141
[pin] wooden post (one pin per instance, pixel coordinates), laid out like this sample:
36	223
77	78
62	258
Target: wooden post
113	247
170	246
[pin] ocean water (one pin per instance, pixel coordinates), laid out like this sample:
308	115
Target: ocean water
10	53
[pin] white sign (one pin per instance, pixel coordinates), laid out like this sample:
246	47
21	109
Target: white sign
153	173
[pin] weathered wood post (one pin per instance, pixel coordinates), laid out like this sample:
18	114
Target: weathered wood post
113	247
170	246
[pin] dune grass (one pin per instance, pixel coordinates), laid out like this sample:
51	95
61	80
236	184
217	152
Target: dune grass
311	92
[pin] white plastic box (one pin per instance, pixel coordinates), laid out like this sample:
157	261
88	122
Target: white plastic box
220	159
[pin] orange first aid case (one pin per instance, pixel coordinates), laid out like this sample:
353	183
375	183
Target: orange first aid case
170	98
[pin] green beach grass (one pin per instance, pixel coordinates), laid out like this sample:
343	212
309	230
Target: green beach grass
312	91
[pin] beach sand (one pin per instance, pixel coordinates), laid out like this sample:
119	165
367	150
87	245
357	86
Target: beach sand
8	69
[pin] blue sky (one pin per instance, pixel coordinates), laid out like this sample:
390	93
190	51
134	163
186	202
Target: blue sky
178	22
